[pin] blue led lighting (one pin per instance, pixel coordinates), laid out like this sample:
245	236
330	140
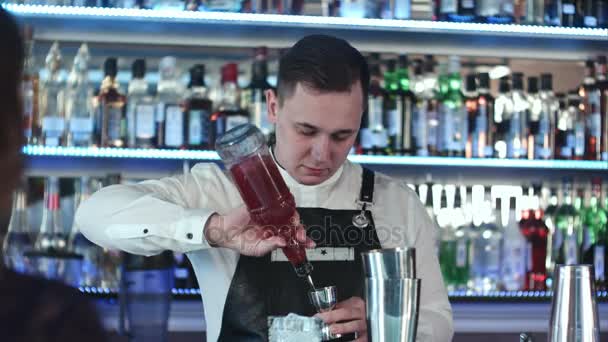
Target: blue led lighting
307	21
130	153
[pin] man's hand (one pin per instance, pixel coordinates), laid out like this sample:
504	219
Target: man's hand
347	317
236	231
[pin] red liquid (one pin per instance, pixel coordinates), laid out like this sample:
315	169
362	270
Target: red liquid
535	231
270	203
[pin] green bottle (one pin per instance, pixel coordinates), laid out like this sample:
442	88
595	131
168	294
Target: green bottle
453	115
568	232
455	246
595	225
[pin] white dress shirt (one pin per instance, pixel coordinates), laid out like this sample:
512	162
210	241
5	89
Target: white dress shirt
170	213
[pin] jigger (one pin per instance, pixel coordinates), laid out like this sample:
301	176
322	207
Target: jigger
324	299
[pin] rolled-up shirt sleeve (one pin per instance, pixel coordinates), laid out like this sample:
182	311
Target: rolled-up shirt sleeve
156	215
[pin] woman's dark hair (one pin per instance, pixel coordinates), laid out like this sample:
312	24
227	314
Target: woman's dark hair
322	63
11	132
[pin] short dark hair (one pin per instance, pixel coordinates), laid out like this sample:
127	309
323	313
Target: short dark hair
322	63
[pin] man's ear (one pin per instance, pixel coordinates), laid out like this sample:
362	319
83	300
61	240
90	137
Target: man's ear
272	104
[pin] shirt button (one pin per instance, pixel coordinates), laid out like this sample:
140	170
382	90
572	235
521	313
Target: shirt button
146	231
189	236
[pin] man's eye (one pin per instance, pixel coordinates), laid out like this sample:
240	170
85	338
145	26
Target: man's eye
307	132
340	137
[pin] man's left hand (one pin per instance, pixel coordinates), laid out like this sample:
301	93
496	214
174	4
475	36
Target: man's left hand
347	317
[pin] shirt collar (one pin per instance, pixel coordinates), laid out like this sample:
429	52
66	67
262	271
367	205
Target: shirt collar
319	192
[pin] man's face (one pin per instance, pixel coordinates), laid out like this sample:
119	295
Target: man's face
315	131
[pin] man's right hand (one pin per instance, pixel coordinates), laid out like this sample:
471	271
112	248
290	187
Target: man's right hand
236	231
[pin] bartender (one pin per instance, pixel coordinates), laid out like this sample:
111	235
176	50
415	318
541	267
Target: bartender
317	108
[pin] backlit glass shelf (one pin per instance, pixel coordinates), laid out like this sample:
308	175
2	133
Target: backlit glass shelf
172	16
129	153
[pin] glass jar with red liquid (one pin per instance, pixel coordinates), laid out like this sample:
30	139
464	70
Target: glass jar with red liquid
271	205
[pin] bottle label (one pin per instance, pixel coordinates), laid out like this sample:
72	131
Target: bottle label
233	121
174	126
394	122
114	115
28	106
420	132
375	112
571	248
587	242
595	125
568	9
448	142
380	139
366	138
529	257
461	253
598	262
590	21
145	121
81	125
566	151
433	129
468	4
160	112
450	6
195	127
579	139
181	273
508	8
53	126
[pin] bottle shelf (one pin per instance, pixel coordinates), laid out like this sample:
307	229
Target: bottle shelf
115	25
191	155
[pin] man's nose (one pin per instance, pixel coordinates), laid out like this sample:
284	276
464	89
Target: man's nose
320	149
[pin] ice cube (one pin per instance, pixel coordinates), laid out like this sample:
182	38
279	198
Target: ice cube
294	328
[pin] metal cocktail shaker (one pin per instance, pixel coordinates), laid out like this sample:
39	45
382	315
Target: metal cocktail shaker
574	312
392	294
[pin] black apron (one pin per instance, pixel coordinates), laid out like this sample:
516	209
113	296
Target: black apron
262	288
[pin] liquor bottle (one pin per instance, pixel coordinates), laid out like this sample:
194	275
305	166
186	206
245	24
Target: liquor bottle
254	98
483	135
18	238
457	10
29	85
185	277
529	12
503	113
602	13
595	225
79	244
431	105
374	135
198	108
601	77
518	130
229	113
172	117
111	107
533	116
537	233
470	102
568	227
141	109
52	95
591	95
590	13
564	129
553	12
454	247
453	118
79	106
495	11
420	119
405	106
486	246
576	142
549	203
570	15
545	137
514	248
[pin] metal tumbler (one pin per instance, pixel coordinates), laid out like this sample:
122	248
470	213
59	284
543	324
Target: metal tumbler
573	311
